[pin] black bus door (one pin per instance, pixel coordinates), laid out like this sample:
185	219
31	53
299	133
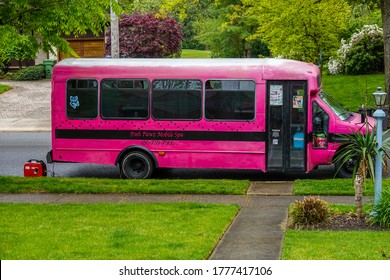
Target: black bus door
286	125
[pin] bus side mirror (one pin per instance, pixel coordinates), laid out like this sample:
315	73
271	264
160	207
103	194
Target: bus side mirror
313	92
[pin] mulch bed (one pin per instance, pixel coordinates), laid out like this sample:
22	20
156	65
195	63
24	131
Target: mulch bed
343	222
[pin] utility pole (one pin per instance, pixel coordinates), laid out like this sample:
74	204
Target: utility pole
114	34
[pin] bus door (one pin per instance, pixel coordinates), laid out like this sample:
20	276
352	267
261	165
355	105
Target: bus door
286	125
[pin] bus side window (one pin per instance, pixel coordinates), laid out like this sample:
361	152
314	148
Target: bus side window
124	99
177	99
320	127
230	100
81	99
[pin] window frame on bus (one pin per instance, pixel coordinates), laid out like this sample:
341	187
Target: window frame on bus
200	102
75	103
125	91
208	84
320	138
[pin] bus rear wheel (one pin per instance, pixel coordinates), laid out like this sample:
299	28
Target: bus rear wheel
137	165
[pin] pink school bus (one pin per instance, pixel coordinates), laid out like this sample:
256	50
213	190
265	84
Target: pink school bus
143	114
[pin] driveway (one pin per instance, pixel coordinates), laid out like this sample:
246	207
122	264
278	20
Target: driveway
26	107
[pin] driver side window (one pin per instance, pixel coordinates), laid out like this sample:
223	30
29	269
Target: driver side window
320	127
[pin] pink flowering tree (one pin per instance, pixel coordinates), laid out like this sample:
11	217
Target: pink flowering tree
147	35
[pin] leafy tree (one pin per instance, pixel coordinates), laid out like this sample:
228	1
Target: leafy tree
196	15
222	26
19	48
191	14
362	14
41	24
232	36
303	30
147	35
299	29
221	37
143	6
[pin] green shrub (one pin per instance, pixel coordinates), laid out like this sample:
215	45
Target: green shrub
30	73
382	210
8	75
361	54
312	210
366	56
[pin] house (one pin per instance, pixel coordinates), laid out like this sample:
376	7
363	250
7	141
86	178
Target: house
87	45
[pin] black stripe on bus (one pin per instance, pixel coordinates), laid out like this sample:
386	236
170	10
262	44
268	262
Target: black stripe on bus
160	135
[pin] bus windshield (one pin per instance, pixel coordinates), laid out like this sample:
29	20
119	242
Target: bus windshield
340	112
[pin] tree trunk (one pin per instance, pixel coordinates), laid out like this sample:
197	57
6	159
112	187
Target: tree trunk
385	8
358	184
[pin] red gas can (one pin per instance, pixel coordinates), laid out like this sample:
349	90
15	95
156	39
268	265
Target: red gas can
35	168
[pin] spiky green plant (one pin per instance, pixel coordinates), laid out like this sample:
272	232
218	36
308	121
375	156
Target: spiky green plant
382	210
362	149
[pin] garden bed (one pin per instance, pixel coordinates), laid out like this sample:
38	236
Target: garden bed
344	221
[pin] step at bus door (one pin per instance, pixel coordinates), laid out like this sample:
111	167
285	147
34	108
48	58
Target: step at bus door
286	125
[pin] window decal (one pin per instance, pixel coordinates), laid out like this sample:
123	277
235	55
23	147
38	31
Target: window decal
276	95
74	102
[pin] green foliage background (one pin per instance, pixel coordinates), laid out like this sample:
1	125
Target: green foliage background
305	30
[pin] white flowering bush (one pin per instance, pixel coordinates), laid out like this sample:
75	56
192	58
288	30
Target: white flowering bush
336	64
362	54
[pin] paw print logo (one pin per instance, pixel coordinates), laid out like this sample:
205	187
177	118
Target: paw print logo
74	102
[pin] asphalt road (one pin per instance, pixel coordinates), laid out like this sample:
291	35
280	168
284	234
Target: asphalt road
16	148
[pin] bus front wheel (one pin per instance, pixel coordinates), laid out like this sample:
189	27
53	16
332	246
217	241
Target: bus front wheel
137	165
345	170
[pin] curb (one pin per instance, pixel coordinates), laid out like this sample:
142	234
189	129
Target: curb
25	125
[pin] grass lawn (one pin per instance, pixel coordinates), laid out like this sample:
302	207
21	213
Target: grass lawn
9	184
334	187
4	88
157	231
187	53
336	245
351	91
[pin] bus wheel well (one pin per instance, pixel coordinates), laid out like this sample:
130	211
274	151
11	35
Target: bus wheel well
136	164
124	152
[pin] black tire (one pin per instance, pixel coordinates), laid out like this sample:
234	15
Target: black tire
346	170
137	165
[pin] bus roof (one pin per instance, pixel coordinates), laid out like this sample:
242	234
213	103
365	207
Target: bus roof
268	68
